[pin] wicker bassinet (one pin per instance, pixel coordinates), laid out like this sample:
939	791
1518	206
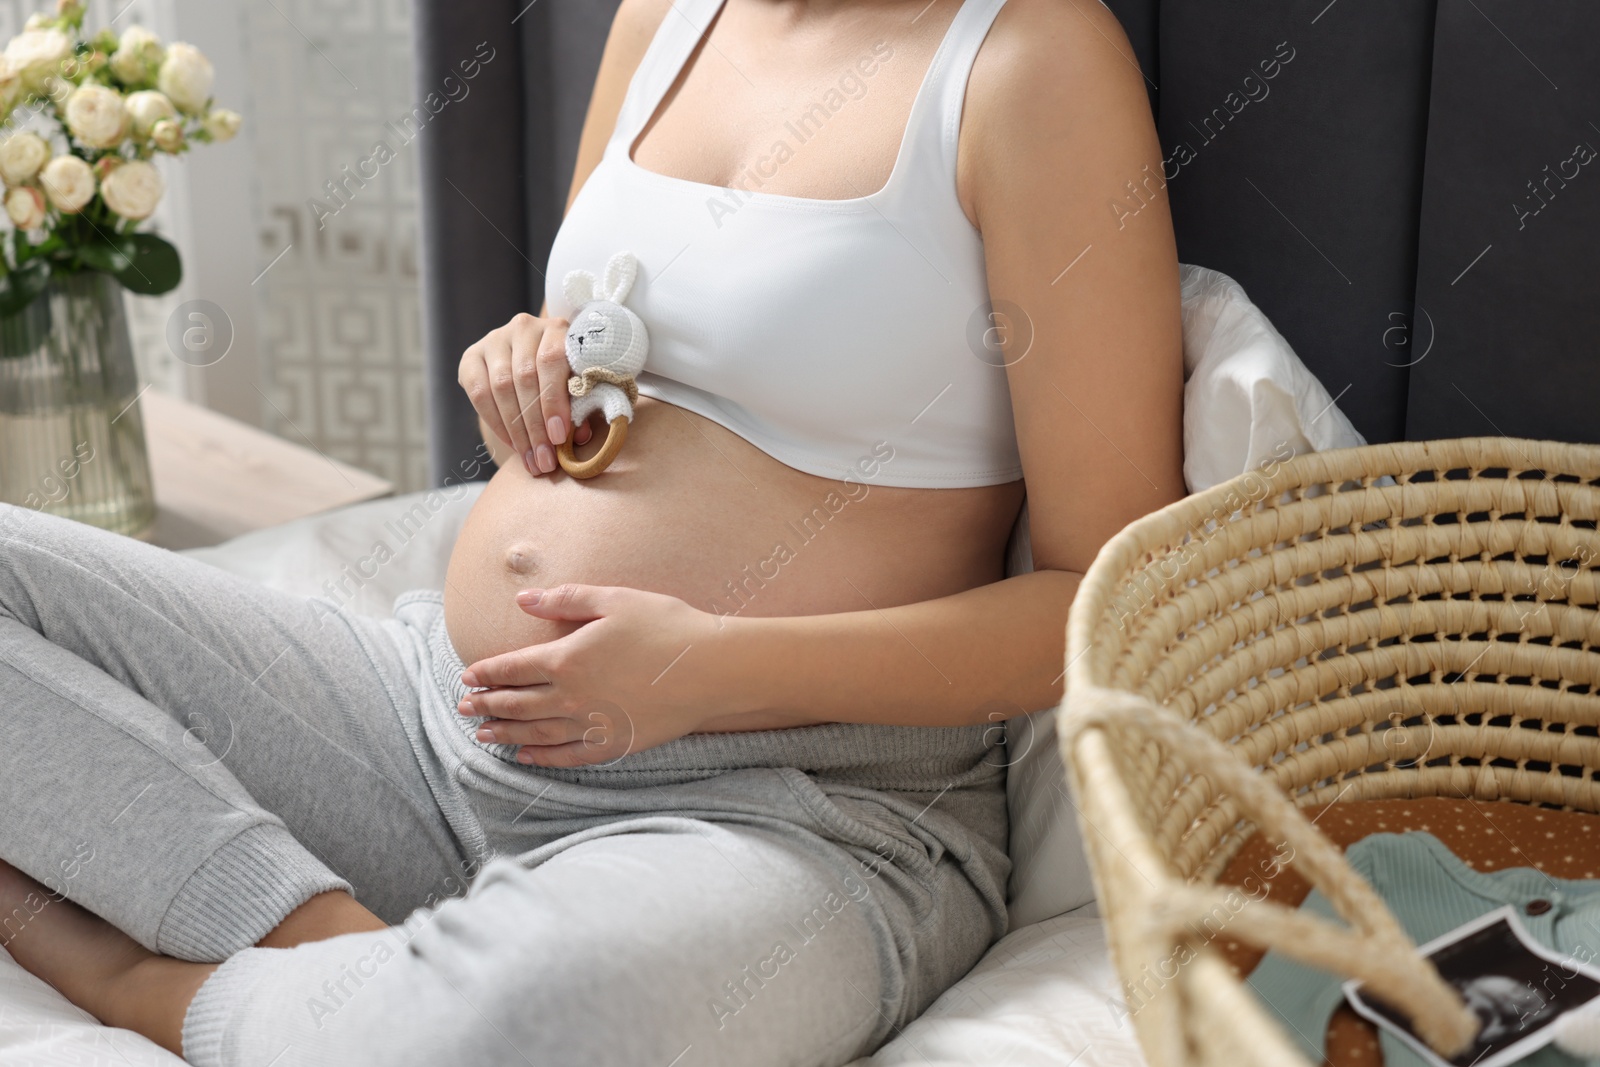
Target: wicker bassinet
1394	621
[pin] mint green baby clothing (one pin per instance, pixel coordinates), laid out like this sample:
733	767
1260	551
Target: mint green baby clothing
1431	892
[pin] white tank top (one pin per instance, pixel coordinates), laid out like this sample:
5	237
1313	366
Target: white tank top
828	333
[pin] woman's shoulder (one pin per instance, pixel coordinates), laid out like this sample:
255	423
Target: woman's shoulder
1071	53
635	25
1056	81
632	29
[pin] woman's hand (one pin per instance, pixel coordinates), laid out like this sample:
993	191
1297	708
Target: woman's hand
641	670
516	378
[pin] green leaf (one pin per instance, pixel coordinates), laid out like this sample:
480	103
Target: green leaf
109	252
155	267
48	247
21	287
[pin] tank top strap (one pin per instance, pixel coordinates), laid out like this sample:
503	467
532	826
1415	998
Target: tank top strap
677	37
934	125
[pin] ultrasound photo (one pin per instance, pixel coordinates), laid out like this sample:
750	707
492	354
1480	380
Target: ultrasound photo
1515	986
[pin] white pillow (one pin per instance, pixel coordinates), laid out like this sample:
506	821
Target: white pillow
1044	996
1248	401
1247	397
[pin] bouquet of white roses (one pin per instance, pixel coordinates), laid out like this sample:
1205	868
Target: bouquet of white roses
76	191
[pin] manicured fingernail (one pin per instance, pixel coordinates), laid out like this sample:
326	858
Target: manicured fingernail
524	755
527	461
465	708
544	458
530	597
582	434
486	734
556	426
469	679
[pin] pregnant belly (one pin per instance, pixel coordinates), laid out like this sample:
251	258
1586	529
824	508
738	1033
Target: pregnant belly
694	511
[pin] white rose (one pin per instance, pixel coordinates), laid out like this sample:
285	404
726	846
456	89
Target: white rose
186	76
133	190
21	156
148	107
69	183
97	116
10	87
37	21
167	135
223	125
25	205
56	90
38	54
138	56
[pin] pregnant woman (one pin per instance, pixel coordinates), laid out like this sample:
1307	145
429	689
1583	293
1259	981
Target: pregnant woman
696	762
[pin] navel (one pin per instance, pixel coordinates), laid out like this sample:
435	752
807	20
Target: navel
520	559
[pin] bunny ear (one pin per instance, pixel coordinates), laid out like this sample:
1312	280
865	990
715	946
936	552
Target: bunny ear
578	288
621	271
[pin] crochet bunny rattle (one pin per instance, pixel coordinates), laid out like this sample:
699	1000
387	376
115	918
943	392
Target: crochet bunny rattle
606	346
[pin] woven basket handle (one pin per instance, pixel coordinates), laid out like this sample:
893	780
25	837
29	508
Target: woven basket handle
1375	950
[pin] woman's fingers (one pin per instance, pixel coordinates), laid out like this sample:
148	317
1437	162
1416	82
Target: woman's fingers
572	602
554	410
525	702
608	735
518	668
536	716
516	378
527	335
473	376
499	354
535	732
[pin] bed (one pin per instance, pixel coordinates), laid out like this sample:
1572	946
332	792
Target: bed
1043	996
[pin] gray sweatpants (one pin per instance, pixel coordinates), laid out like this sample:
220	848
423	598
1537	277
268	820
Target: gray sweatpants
192	756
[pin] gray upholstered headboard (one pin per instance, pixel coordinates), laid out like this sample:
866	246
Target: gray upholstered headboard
1405	188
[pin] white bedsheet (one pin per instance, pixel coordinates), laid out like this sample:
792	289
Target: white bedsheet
40	1028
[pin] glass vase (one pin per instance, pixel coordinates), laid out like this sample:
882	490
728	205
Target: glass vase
71	435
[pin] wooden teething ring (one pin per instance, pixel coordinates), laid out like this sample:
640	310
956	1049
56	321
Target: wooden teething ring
616	436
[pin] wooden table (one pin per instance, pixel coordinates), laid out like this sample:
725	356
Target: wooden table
216	478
